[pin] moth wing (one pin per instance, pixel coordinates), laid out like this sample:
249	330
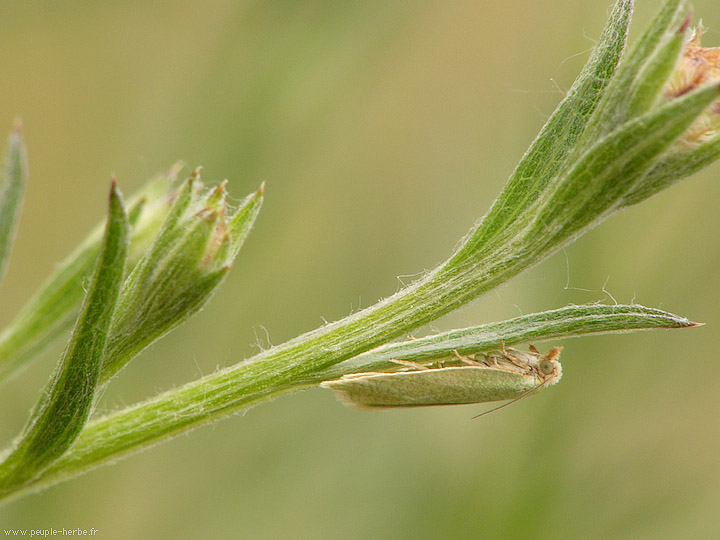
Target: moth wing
441	386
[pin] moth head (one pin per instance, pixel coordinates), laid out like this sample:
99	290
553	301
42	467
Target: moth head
549	367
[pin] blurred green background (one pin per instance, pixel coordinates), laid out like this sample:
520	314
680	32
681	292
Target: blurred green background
383	130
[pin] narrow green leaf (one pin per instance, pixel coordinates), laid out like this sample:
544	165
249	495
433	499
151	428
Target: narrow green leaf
600	180
558	137
51	311
567	322
12	188
68	400
674	167
655	73
162	244
666	20
243	220
588	193
615	107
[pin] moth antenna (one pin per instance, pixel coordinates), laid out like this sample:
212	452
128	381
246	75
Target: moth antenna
523	395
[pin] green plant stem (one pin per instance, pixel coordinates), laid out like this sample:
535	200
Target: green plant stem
247	384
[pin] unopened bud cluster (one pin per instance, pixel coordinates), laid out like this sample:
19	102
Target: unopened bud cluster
181	269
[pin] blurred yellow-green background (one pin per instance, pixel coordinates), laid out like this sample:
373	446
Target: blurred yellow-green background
383	130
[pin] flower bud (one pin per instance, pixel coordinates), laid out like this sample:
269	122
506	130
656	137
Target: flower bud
188	259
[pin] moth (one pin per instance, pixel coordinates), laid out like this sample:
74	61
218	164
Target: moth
508	374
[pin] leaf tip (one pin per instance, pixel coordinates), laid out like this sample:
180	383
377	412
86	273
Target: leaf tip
114	191
685	24
682	322
175	169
